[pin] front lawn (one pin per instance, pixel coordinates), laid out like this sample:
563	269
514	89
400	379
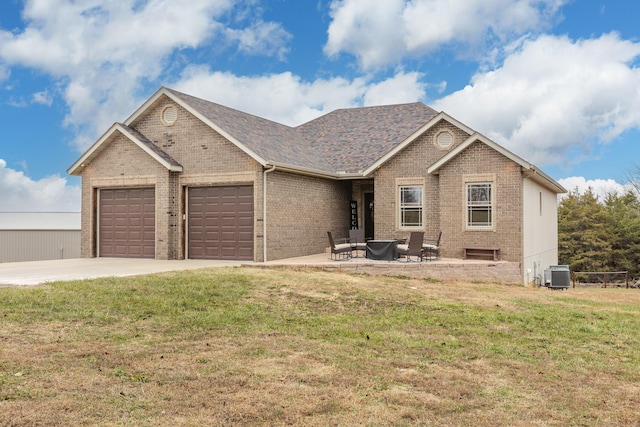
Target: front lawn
251	346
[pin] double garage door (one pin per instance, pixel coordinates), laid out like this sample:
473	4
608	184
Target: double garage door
219	225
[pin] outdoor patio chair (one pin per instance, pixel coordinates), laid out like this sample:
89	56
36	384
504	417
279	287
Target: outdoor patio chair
357	240
340	251
414	247
433	248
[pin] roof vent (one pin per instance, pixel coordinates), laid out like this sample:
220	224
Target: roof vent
444	139
169	116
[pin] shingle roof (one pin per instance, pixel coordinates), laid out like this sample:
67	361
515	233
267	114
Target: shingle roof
272	141
153	147
348	140
353	139
137	138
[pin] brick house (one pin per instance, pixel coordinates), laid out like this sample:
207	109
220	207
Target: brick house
186	178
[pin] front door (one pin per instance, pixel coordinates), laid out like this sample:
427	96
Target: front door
368	216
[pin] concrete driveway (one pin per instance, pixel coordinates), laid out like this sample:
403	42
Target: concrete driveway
37	272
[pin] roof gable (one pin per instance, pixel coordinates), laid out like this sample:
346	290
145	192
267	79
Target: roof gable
135	137
532	170
271	141
425	127
266	141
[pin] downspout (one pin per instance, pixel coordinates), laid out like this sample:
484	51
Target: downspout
264	212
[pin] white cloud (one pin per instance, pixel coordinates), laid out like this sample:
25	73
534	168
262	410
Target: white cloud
600	187
43	97
381	32
64	35
103	53
19	193
402	87
261	38
5	72
554	99
17	102
372	30
286	99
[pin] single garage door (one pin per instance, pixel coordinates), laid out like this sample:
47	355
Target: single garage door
127	223
220	222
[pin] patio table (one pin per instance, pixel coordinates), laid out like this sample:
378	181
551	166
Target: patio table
382	249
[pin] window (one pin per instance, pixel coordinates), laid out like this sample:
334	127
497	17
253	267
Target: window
479	205
411	206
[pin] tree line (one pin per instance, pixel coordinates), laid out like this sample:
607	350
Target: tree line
600	235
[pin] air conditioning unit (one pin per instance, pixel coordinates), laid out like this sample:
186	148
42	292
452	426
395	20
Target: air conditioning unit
557	277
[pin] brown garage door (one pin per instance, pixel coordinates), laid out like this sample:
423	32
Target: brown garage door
127	223
221	222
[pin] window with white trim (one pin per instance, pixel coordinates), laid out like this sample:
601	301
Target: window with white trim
479	205
410	206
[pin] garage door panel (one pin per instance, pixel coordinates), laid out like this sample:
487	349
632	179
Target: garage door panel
127	223
197	222
248	252
120	251
220	222
212	252
133	249
229	237
245	222
134	222
228	223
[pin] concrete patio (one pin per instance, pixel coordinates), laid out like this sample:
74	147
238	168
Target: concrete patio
38	272
441	269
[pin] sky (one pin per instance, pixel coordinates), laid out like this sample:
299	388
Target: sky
556	82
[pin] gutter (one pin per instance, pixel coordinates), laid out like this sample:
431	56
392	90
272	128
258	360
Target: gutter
542	178
264	212
339	175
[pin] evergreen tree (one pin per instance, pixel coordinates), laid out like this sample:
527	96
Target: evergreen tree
623	216
583	232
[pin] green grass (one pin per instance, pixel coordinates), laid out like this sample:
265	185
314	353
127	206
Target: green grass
268	347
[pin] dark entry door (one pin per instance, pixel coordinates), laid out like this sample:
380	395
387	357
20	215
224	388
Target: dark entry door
220	222
369	231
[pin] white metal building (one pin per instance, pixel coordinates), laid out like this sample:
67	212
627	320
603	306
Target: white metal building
37	236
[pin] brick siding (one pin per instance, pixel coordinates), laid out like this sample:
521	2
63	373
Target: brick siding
207	159
411	165
300	211
507	209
